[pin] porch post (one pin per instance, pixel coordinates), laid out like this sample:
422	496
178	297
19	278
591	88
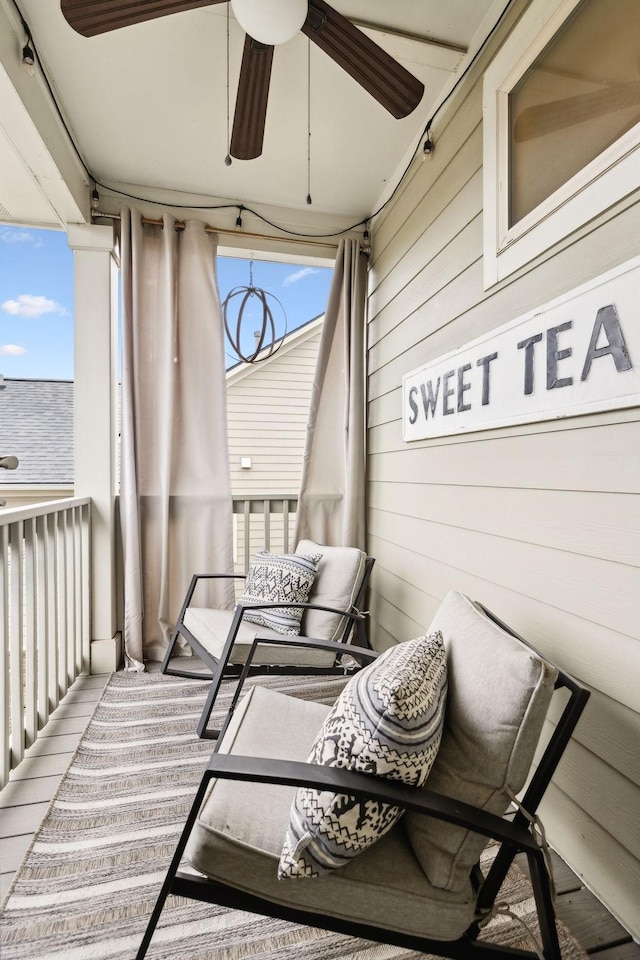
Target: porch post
96	318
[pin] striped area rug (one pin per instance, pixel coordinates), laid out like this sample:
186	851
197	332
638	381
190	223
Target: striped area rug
93	872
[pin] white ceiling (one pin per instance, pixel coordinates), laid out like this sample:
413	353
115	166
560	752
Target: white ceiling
146	107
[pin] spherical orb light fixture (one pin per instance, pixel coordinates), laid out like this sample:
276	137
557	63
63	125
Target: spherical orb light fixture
266	340
270	21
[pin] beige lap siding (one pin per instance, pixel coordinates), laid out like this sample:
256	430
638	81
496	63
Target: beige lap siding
540	522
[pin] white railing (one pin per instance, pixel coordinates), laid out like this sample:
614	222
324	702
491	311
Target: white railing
262	522
45	616
45	592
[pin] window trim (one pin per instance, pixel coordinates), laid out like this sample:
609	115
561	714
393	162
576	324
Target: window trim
608	178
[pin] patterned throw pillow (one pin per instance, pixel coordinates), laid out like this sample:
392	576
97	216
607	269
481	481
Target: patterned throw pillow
284	578
387	722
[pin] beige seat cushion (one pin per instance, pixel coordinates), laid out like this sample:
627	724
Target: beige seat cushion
211	628
499	692
337	583
238	837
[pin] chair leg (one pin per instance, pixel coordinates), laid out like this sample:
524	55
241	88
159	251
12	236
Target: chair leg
201	729
173	869
218	674
544	903
155	916
176	630
168	654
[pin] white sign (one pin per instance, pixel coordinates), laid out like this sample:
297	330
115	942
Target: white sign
578	354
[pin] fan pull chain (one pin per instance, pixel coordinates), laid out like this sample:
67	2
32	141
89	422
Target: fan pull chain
227	159
309	201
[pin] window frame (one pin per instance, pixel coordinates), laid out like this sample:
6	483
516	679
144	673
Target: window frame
608	178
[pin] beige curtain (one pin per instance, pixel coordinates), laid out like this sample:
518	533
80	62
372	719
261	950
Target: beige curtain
331	506
175	496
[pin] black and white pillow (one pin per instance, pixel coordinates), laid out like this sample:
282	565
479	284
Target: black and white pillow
279	578
387	722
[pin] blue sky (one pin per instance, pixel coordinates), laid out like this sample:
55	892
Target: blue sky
36	300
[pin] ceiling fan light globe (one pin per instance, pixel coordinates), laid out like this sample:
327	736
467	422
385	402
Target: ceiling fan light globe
270	21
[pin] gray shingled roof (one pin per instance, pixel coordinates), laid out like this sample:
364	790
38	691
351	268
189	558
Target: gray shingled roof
36	426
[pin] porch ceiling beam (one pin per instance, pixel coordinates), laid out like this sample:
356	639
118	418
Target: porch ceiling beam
421	38
33	129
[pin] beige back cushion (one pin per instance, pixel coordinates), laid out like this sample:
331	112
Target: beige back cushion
337	583
499	692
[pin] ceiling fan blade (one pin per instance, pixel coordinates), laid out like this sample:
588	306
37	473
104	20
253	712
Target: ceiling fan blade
544	118
93	17
251	100
373	68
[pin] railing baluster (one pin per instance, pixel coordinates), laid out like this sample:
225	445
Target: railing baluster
77	573
5	688
16	641
285	524
61	592
71	597
45	616
86	587
30	659
267	524
53	654
272	538
247	534
42	698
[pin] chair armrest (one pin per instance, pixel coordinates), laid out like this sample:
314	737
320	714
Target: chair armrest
352	614
211	576
314	643
286	640
205	576
339	780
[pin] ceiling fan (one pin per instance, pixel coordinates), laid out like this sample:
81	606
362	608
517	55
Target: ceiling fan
368	64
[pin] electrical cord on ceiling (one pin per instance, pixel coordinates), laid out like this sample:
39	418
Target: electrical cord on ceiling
240	207
428	145
34	50
425	140
227	160
174	206
308	120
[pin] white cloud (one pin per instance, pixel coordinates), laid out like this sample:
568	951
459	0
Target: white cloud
26	305
11	350
15	235
298	275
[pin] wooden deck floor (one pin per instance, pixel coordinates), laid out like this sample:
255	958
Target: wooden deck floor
25	800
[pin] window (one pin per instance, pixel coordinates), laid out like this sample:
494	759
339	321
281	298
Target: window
561	124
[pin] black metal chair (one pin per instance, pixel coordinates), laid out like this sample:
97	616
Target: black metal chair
394	892
223	638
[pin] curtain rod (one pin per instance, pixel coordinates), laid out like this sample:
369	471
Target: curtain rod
179	225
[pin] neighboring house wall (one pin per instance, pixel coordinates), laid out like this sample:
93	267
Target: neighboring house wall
539	522
36	426
268	407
